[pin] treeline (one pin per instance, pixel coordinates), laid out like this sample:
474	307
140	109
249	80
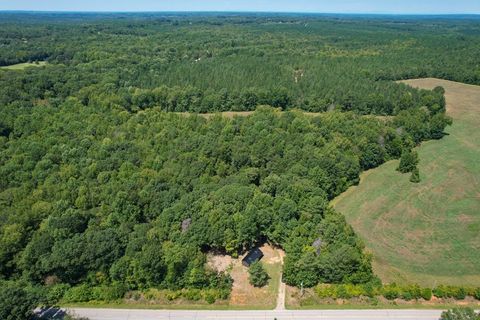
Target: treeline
190	64
190	99
55	83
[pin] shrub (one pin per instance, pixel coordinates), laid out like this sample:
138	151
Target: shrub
439	89
108	293
80	293
258	275
411	292
342	292
408	161
325	291
391	292
154	294
440	291
370	290
459	293
415	177
210	296
173	295
426	294
134	295
476	293
355	290
406	295
221	280
460	314
192	294
56	292
223	294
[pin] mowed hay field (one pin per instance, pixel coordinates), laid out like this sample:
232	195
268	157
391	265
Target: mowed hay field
426	233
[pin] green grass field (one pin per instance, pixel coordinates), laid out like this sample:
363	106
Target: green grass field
22	66
426	233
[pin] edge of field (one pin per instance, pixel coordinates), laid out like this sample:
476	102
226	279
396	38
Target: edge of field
393	218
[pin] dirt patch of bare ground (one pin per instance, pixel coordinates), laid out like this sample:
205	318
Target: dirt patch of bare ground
243	293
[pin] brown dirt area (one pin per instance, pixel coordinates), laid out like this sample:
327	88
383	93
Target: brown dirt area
244	294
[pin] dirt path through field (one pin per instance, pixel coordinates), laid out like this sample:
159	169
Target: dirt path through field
281	290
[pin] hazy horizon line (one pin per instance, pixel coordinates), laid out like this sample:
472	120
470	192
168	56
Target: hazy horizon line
244	11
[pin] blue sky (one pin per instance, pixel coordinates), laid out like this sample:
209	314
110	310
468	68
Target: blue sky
326	6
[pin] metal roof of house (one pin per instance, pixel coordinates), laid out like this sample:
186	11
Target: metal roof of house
254	255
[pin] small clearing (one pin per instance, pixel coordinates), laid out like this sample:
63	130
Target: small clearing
245	295
23	66
233	114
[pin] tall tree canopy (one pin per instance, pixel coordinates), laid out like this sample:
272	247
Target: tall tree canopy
105	183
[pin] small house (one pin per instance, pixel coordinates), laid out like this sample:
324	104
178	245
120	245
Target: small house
252	256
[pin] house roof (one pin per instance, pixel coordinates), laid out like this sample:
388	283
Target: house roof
254	255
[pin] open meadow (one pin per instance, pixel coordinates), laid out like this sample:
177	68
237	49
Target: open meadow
426	233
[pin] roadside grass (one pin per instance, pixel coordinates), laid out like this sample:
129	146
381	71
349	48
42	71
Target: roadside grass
22	66
352	306
310	301
275	272
426	233
313	306
146	306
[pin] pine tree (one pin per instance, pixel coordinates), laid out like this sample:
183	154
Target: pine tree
415	177
408	161
258	276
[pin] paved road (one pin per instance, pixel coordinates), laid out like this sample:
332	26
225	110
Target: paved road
129	314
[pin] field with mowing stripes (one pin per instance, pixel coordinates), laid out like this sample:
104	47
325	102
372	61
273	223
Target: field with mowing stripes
426	233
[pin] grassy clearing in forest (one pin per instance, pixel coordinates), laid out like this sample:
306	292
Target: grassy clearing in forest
426	233
233	114
22	66
244	294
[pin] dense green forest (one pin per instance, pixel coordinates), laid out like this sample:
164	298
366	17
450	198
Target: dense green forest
102	186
